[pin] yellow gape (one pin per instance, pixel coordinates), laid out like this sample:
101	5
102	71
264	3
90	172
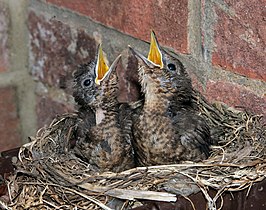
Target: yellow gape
101	68
155	55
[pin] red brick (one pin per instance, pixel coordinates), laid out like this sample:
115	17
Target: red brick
137	17
240	39
56	49
4	26
9	126
236	95
48	108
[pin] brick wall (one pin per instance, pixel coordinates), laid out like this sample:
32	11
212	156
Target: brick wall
221	42
10	122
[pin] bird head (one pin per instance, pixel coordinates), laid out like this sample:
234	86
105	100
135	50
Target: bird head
164	71
90	80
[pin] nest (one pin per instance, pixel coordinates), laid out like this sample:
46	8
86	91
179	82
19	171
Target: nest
49	175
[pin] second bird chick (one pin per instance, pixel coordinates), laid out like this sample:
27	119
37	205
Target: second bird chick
168	129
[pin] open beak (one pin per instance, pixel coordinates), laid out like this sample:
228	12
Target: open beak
155	54
101	68
111	68
143	58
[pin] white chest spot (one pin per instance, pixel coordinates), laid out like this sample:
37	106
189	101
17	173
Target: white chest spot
99	116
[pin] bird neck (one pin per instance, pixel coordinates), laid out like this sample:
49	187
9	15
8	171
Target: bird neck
155	99
156	103
104	115
109	104
107	111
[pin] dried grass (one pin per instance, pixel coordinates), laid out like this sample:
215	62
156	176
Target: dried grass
50	176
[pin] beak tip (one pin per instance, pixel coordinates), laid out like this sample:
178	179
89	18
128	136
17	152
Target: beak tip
97	82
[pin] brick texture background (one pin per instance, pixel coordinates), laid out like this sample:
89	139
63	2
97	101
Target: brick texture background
4	23
235	95
56	49
240	38
135	17
9	126
227	62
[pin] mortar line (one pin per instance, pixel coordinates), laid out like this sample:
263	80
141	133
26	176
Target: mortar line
194	28
19	52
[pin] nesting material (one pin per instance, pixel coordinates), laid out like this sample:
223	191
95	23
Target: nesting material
50	176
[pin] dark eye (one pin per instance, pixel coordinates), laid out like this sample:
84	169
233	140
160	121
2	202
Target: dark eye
171	66
87	82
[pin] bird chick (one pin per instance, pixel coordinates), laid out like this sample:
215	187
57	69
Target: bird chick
168	130
103	144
